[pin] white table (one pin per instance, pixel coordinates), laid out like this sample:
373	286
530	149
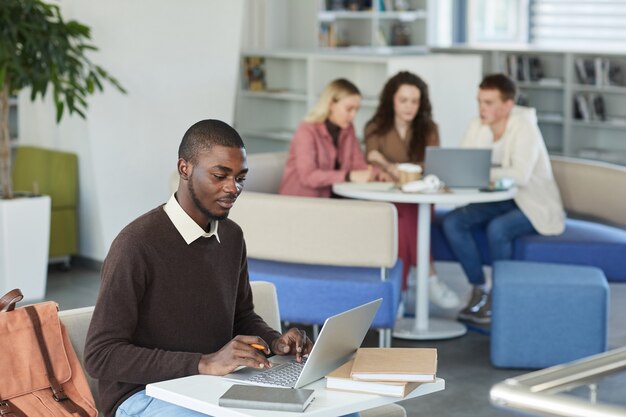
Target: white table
201	393
421	327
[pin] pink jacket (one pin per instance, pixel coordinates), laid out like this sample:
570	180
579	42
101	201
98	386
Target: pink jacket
310	168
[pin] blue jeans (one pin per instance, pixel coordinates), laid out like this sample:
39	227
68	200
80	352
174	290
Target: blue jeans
141	405
503	221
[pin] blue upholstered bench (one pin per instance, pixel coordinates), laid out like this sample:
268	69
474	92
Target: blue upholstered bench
547	314
311	293
582	243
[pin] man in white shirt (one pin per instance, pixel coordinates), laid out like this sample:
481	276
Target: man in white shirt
518	153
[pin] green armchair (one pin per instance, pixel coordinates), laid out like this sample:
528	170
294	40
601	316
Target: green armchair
53	173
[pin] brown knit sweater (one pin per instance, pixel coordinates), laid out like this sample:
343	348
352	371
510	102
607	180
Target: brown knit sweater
163	303
394	148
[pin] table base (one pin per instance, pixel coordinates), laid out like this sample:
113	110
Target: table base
437	329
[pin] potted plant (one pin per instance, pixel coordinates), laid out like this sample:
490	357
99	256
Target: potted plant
40	51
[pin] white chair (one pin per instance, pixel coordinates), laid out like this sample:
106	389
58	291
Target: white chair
76	322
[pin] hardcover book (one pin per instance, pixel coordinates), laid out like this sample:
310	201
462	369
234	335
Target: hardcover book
395	364
340	379
266	398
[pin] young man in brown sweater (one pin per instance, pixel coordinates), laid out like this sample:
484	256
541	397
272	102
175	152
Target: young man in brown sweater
175	299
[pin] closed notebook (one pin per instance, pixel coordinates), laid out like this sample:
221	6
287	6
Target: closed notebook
340	379
266	398
395	364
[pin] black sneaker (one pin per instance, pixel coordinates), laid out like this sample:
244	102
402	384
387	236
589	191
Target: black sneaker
478	309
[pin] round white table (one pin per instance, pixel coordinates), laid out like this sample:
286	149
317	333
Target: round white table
421	327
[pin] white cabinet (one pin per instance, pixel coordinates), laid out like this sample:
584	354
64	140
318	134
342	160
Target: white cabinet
580	96
267	118
375	23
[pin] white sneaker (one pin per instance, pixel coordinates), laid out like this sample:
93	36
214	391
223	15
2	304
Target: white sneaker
440	294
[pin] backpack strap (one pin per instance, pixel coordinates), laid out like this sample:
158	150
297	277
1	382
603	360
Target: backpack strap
10	410
57	389
8	301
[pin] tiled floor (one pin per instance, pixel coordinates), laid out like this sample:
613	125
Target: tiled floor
463	362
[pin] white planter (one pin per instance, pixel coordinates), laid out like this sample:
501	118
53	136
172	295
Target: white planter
24	243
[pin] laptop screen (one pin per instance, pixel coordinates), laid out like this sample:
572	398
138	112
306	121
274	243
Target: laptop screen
459	167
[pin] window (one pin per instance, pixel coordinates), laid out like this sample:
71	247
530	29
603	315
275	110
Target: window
497	21
577	23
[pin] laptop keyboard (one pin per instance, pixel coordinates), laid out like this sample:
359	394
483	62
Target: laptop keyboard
284	375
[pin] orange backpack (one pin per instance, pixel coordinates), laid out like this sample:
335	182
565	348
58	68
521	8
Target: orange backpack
41	374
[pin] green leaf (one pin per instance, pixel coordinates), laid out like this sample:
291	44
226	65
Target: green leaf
80	113
90	84
59	105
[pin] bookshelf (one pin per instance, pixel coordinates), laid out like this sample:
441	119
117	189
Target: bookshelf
294	79
558	89
392	24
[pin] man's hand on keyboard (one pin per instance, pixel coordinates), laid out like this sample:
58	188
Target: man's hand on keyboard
238	352
293	342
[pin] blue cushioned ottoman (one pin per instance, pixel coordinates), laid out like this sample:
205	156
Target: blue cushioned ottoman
311	293
547	314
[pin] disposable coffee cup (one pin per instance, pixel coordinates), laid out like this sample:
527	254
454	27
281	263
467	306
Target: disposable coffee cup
409	172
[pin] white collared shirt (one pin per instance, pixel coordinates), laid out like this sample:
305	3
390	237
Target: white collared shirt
186	226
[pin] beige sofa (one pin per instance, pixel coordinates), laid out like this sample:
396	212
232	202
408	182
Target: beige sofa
316	231
592	189
77	321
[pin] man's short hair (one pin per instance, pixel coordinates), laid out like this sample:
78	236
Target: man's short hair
502	83
205	134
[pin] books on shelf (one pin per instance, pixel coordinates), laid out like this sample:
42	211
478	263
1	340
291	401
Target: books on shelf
400	34
536	69
524	67
346	5
581	110
340	379
588	107
596	107
598	71
581	71
395	364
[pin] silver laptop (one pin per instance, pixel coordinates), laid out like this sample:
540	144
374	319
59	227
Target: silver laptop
339	338
459	167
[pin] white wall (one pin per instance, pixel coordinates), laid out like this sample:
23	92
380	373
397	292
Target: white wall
280	24
179	63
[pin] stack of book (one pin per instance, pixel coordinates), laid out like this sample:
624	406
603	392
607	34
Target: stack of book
598	71
589	107
393	372
524	67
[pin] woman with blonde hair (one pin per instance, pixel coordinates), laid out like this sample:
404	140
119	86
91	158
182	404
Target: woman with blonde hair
325	149
399	132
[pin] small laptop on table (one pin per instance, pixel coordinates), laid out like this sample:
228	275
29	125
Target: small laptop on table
339	338
459	167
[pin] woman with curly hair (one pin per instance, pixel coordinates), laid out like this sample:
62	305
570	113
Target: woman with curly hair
399	132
